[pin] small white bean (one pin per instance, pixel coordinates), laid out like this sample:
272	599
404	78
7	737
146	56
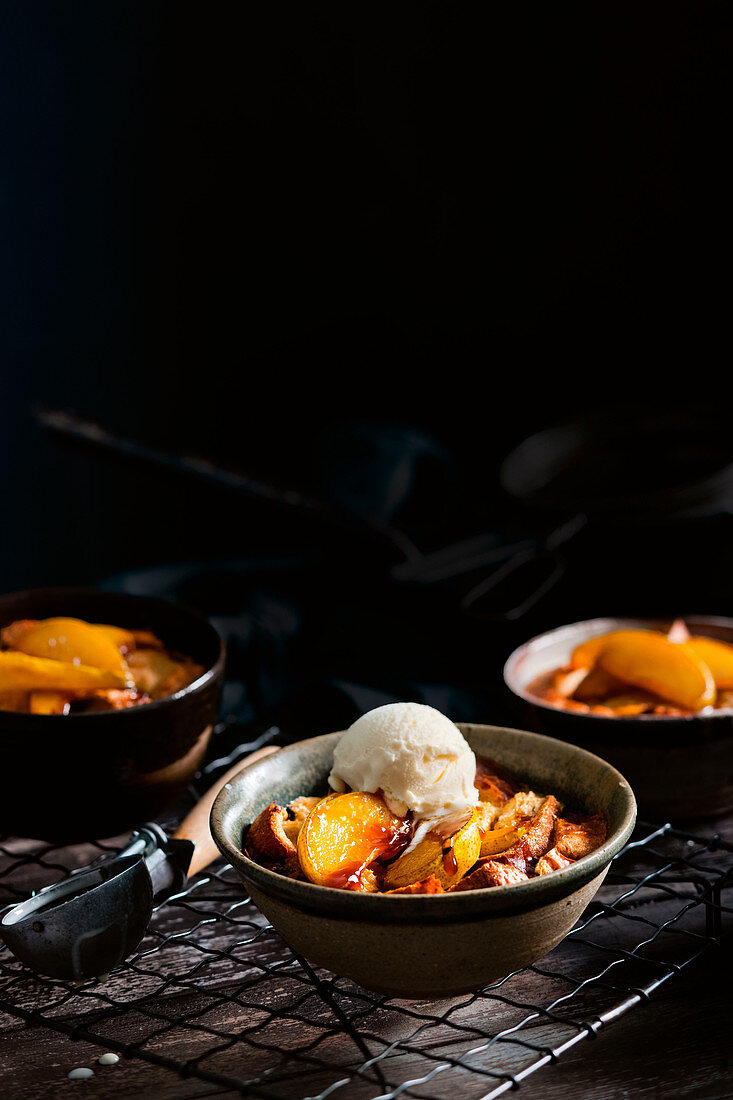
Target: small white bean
79	1074
108	1059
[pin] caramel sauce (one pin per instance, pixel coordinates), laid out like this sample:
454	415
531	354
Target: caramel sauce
401	838
444	831
347	877
450	863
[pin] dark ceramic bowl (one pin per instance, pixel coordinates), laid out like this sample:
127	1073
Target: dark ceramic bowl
78	776
428	946
681	768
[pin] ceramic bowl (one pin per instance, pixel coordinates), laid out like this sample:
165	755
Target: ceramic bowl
428	946
681	768
78	776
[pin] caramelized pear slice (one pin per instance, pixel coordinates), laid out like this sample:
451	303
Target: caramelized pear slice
342	835
596	684
448	858
72	640
121	638
587	653
718	656
649	660
22	672
502	839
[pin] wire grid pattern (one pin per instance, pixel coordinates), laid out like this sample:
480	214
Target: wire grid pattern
213	992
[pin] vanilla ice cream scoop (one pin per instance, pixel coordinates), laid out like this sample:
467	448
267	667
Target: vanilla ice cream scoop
415	755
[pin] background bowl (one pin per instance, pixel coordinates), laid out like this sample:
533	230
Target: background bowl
428	946
79	776
681	768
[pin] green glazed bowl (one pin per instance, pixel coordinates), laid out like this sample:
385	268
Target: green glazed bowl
428	946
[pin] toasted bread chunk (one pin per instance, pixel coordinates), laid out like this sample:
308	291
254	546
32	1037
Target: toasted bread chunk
552	861
295	814
577	836
430	885
487	814
537	839
523	805
300	807
492	873
267	838
511	823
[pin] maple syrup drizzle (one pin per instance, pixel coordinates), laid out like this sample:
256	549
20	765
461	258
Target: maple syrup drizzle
401	837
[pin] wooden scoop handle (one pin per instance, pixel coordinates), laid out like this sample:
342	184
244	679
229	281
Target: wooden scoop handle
195	825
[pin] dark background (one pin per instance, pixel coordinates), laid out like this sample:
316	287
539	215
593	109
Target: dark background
362	254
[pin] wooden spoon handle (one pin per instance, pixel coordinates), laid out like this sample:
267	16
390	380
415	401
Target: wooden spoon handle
195	825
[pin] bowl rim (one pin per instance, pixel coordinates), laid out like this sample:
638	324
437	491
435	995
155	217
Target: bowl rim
519	896
609	620
213	672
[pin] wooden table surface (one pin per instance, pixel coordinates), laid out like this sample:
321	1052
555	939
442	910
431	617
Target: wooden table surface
676	1044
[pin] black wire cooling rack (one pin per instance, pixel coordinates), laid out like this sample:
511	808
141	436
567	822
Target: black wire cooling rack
214	993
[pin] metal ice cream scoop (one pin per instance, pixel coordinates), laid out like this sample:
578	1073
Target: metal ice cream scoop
86	924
